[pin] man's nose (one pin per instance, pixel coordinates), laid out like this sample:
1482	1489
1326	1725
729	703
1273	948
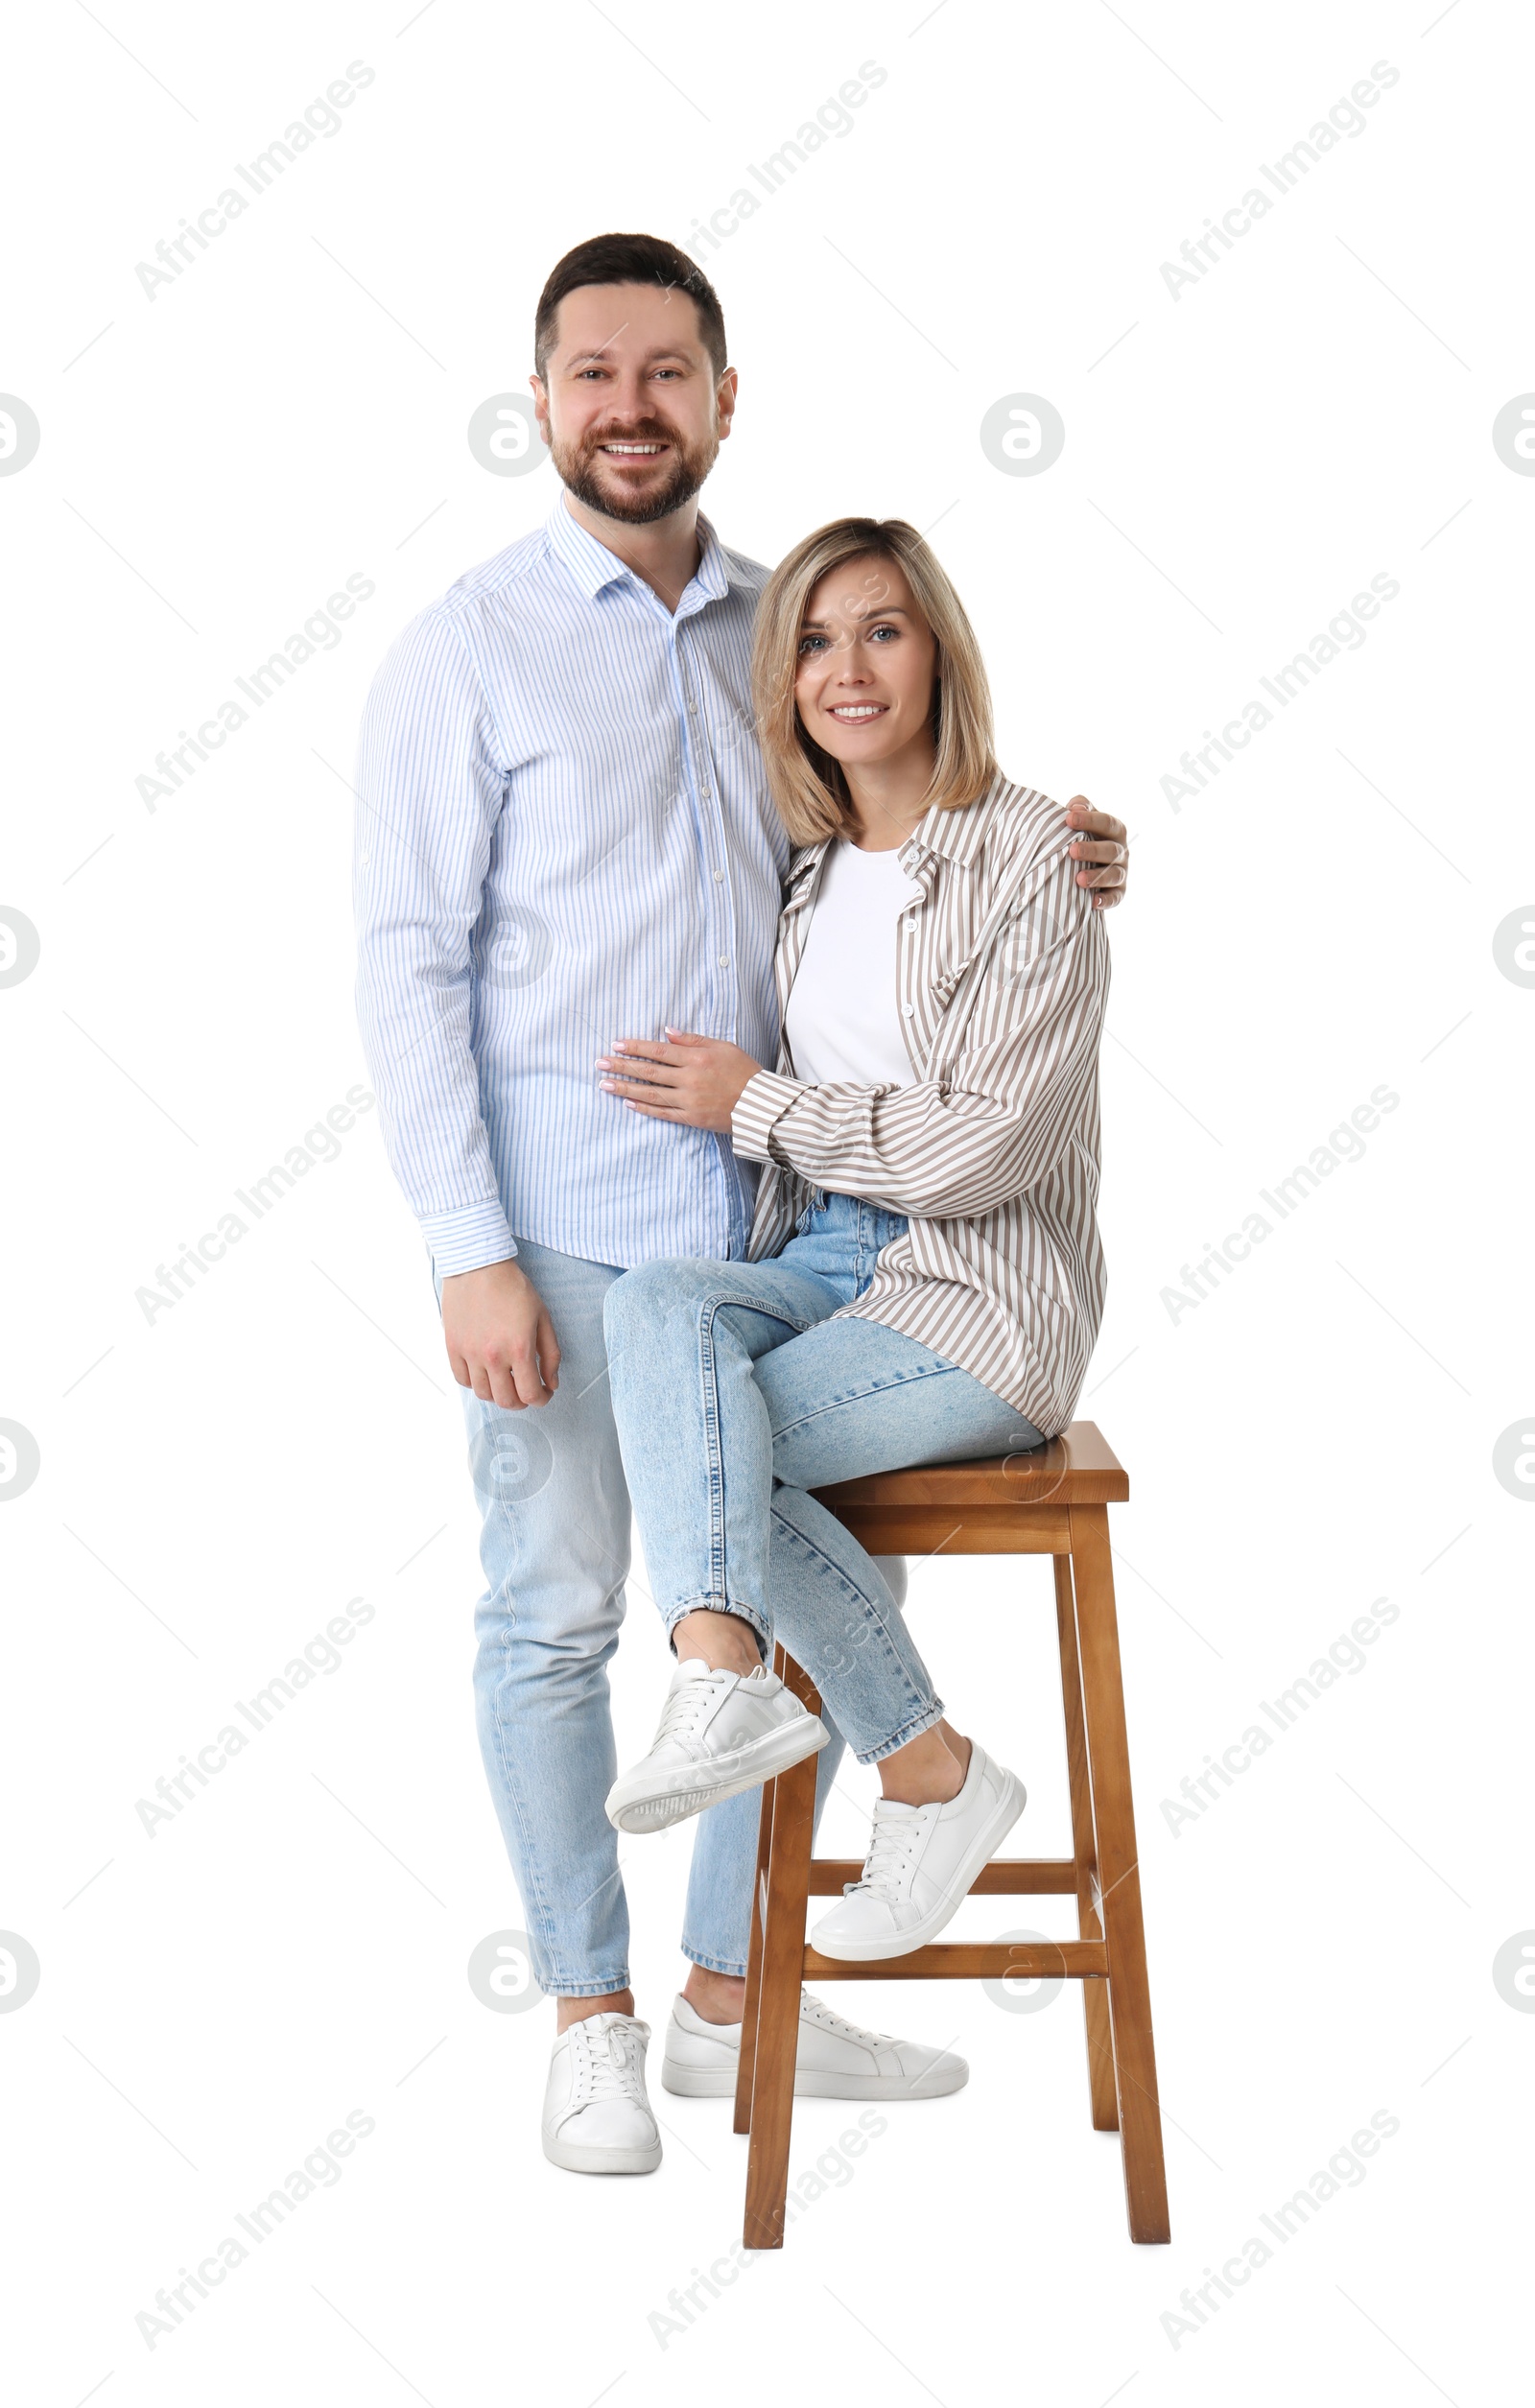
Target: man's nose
630	401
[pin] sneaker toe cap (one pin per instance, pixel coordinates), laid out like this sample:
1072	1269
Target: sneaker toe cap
930	2068
863	1919
610	2124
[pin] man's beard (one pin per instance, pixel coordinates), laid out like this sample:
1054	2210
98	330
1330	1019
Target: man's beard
579	469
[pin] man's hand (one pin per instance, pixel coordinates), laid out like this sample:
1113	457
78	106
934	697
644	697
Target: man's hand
500	1340
696	1080
1106	846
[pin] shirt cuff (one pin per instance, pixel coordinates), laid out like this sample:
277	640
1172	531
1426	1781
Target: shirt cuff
764	1100
467	1239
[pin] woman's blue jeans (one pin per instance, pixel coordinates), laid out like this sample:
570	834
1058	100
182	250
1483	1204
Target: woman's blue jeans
735	1393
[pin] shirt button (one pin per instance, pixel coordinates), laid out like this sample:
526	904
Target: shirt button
912	923
910	1009
725	961
719	876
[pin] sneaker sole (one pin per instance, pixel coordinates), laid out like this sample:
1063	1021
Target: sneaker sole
600	2160
987	1841
701	2082
632	1807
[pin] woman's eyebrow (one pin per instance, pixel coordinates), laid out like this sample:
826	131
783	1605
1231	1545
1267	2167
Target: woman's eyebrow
817	626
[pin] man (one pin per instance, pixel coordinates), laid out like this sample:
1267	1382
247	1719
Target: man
564	835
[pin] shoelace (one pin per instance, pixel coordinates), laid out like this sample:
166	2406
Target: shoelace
607	2063
830	2021
887	1866
683	1710
685	1707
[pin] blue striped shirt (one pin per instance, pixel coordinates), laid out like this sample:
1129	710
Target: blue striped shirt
563	836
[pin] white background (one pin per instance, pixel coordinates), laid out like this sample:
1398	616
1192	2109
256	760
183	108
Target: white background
1318	1434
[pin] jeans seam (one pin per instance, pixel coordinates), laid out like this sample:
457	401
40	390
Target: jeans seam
875	1387
709	1393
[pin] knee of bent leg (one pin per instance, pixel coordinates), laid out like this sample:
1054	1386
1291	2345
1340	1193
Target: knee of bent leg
646	1297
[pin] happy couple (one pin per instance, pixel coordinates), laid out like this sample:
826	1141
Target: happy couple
734	1023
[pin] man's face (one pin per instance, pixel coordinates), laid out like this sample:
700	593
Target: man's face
631	406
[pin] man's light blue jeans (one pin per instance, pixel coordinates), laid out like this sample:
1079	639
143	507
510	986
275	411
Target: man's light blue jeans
735	1393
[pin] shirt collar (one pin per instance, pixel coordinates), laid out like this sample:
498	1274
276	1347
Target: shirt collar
956	836
594	567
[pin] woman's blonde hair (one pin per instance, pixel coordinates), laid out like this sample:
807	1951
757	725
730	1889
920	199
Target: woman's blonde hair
806	783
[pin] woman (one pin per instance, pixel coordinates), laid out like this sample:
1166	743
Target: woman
923	1280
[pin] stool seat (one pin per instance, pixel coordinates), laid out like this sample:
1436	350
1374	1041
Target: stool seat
1079	1468
1050	1501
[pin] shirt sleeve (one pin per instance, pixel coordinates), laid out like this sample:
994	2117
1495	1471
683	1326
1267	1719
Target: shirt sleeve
429	792
1000	1115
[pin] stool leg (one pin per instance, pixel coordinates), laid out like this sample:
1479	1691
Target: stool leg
1095	1994
783	1963
746	2069
1118	1875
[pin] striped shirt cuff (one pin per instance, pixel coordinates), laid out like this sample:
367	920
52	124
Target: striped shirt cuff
764	1100
467	1239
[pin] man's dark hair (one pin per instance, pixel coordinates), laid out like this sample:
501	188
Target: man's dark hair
630	259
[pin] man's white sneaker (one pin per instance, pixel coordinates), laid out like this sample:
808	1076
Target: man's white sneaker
719	1732
597	2116
834	2059
920	1864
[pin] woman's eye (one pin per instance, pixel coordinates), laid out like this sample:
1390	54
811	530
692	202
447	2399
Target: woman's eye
808	644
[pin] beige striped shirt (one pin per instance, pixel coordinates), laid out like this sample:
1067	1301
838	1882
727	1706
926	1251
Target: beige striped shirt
1002	974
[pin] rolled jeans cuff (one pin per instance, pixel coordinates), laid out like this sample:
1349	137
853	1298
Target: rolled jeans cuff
761	1630
924	1718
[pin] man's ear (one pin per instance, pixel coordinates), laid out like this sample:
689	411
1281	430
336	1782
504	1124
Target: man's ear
540	395
726	401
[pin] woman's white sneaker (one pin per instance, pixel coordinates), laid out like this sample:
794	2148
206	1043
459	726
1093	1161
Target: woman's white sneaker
597	2112
920	1864
834	2060
719	1732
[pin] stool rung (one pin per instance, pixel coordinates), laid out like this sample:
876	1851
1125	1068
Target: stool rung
1078	1960
1037	1877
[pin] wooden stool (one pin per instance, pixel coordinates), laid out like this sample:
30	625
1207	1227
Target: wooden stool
1051	1501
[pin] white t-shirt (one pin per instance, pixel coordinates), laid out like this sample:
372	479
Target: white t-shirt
843	1018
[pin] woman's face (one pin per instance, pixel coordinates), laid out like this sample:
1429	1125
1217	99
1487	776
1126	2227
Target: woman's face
866	666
